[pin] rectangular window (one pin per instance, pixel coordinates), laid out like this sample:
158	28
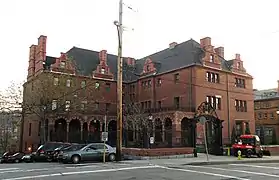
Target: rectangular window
107	86
240	83
159	104
214	101
39	129
30	129
176	78
211	58
83	84
159	82
54	104
212	77
142	105
97	106
103	71
149	104
62	64
149	83
107	107
67	105
68	83
176	102
83	105
240	105
55	81
271	115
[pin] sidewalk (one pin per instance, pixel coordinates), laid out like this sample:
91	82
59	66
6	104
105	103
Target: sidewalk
201	160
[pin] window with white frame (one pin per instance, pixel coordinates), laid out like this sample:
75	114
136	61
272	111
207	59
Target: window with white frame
83	84
83	105
103	70
67	105
54	104
62	64
211	58
215	101
55	81
68	83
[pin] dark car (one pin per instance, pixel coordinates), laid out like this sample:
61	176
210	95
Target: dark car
12	157
45	152
57	151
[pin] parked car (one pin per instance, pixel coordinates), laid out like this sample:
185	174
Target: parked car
28	157
57	151
46	151
12	157
90	152
73	147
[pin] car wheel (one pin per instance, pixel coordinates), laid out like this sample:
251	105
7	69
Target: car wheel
248	153
75	159
112	157
260	154
16	161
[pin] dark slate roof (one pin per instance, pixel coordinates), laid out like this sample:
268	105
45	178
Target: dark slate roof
265	94
182	55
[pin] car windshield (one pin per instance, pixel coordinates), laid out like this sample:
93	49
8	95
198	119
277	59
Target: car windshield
16	154
75	147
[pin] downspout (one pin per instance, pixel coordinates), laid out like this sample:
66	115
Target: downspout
228	107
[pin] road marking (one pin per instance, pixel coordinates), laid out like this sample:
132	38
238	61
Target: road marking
235	170
79	167
7	169
81	172
206	173
28	170
256	166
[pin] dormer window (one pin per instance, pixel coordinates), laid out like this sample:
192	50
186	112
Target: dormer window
62	64
238	65
103	71
211	58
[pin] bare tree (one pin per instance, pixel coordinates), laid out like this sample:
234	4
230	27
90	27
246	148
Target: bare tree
139	123
10	116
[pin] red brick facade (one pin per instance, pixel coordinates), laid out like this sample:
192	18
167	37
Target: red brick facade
171	95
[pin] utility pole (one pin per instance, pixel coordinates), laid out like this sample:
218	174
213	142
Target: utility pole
119	85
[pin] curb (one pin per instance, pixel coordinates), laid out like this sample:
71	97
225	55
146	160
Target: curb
157	157
232	162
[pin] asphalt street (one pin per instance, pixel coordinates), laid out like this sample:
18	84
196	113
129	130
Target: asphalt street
134	170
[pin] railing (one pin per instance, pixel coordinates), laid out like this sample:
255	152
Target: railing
172	108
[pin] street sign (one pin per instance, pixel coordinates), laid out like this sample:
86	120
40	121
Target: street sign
104	136
202	120
151	140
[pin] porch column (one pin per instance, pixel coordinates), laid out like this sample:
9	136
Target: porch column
68	127
176	135
50	129
163	131
81	131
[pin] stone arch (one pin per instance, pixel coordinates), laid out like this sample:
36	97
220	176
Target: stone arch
168	131
112	132
60	130
158	130
74	131
186	132
94	131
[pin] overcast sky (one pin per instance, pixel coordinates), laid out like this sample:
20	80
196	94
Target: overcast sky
247	27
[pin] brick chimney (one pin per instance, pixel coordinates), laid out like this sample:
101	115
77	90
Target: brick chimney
130	61
220	51
103	57
204	42
172	45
